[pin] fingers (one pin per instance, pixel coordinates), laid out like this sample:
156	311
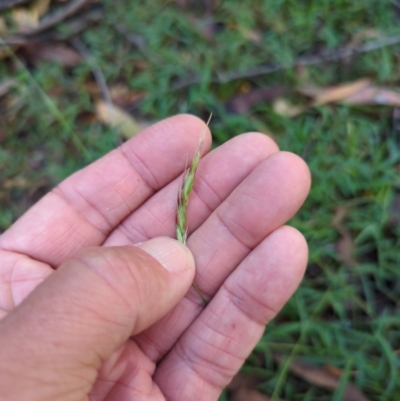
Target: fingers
88	205
218	175
83	312
263	202
212	350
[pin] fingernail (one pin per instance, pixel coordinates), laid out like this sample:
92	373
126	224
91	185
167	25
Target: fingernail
173	255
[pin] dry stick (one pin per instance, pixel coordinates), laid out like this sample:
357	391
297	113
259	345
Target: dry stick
64	13
300	62
183	202
50	21
96	71
72	28
6	4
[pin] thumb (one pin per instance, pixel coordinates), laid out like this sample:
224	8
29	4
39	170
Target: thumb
54	343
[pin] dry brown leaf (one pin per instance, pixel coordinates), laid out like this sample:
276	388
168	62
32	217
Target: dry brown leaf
59	53
375	95
333	370
244	101
361	92
337	372
27	18
123	96
321	377
242	388
115	117
340	92
286	109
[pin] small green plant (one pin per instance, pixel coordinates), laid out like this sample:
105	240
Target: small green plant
183	202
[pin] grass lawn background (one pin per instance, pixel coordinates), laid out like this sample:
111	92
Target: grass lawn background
178	56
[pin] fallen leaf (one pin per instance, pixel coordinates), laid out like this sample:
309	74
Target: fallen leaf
243	102
243	380
27	18
361	92
371	95
59	53
337	372
123	96
287	109
242	388
340	92
321	377
115	117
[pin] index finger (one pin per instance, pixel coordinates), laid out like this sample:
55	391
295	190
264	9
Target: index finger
87	206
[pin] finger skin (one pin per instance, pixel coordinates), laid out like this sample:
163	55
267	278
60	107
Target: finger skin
262	203
87	206
55	342
213	349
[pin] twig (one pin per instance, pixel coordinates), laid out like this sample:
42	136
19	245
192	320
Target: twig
96	71
65	12
301	61
72	28
6	4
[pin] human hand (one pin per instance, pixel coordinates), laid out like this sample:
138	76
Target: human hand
87	316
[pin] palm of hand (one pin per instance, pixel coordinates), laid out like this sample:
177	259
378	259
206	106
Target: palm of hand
248	263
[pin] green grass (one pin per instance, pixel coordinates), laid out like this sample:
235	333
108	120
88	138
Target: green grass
345	316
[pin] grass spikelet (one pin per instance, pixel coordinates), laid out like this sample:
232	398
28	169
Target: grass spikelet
184	194
183	202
